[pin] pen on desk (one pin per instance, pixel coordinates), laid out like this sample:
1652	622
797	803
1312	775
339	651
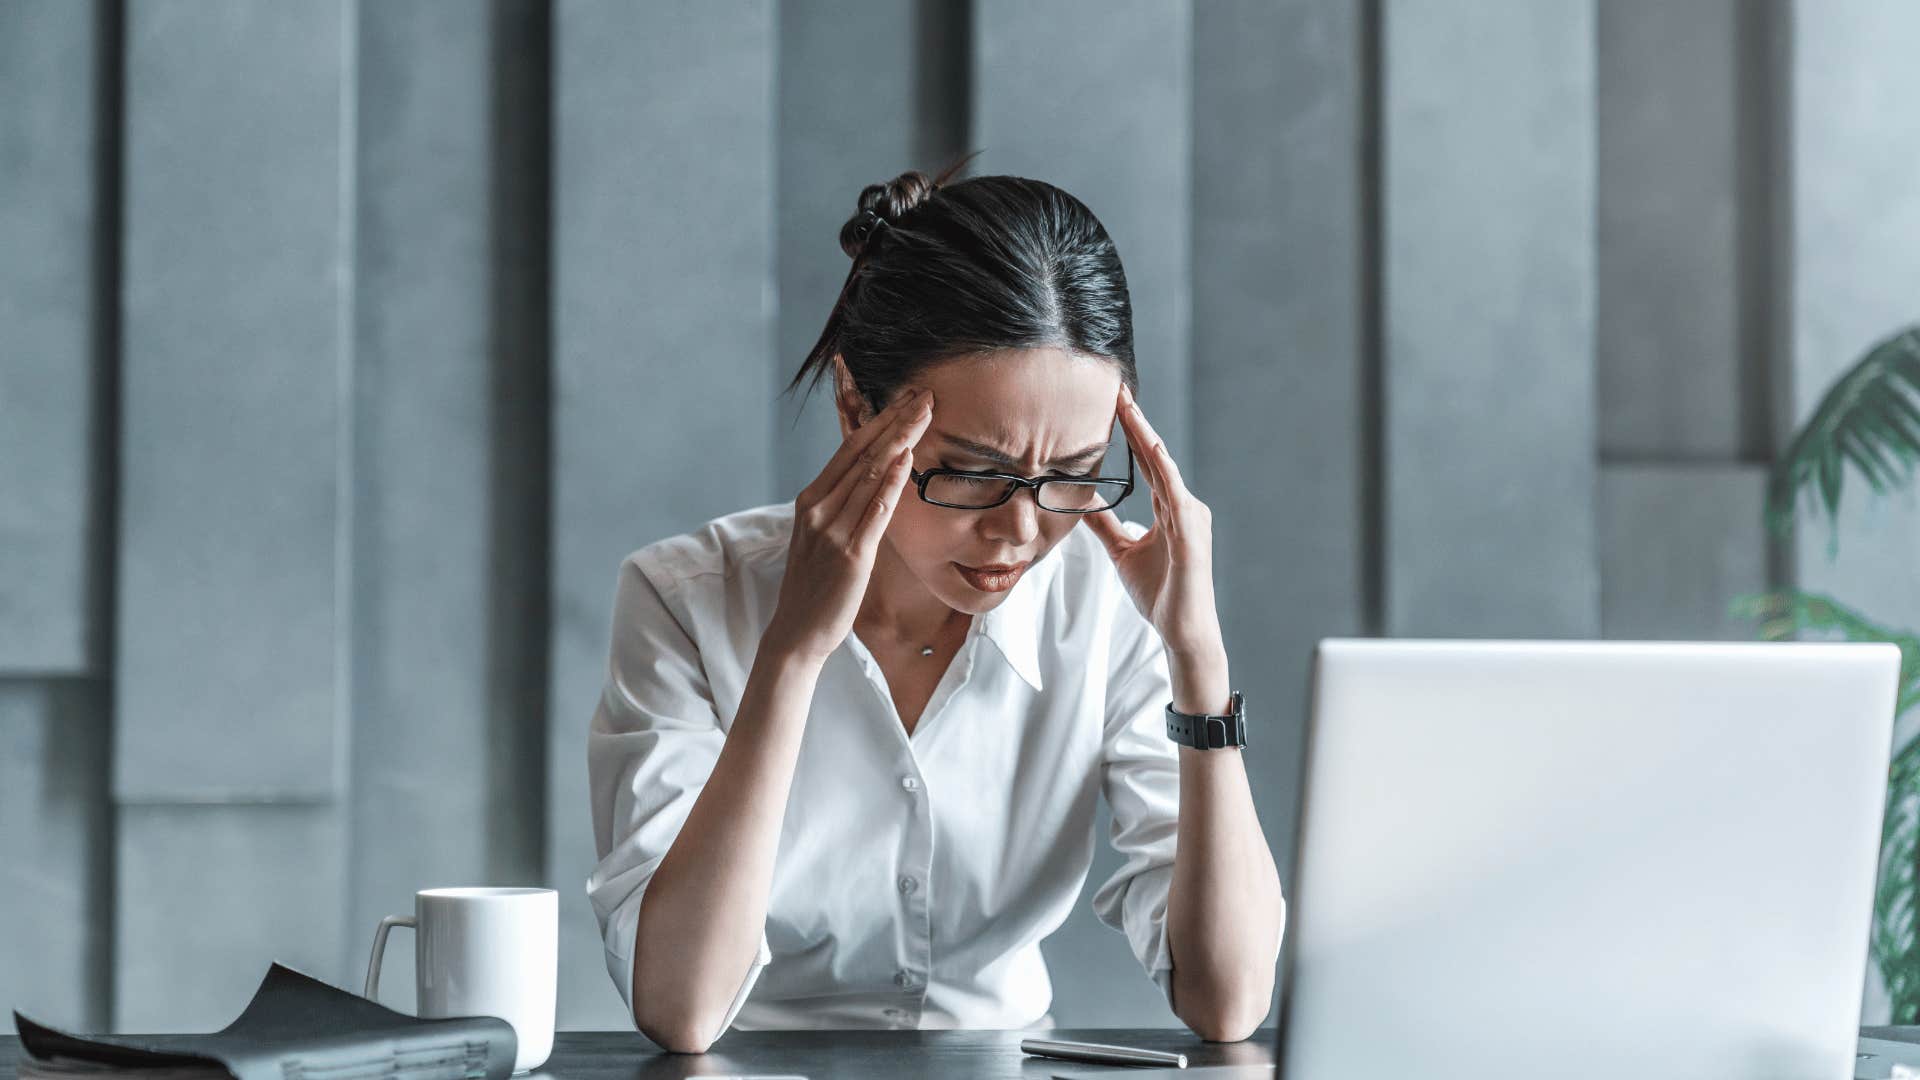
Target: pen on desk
1100	1053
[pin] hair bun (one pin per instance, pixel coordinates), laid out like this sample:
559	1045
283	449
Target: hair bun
888	203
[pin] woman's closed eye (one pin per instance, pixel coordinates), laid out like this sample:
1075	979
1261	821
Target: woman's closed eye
1054	475
975	480
975	470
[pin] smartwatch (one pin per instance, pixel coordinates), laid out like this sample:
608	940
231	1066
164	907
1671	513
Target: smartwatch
1206	731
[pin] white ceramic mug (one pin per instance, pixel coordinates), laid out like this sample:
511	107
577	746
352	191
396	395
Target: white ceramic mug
484	952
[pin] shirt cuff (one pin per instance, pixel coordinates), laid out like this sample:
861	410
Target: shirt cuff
1147	931
621	924
1143	916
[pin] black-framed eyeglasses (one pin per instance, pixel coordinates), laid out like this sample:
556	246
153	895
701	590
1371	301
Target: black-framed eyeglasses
962	490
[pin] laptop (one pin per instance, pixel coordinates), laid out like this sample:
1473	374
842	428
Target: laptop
1583	860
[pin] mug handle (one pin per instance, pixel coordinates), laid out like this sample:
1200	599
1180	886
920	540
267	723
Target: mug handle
380	949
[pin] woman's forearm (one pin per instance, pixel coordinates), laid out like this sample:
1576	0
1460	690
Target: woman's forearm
1223	908
706	907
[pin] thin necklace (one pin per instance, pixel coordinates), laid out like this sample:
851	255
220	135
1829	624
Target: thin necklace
926	649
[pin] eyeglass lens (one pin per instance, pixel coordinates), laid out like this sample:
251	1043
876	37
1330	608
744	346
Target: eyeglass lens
976	492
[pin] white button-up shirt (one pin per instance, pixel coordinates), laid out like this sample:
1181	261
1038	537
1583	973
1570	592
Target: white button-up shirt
916	874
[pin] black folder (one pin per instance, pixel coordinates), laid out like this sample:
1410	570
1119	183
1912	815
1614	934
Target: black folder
299	1028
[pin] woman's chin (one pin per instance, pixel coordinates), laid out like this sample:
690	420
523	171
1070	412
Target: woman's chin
976	605
961	597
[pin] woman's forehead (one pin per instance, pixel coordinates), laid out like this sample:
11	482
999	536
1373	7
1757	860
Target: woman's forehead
1014	397
1009	449
1026	387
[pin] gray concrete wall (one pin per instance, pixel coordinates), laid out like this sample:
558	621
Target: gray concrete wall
1282	351
1685	128
56	367
663	374
345	348
449	463
51	335
229	724
1487	278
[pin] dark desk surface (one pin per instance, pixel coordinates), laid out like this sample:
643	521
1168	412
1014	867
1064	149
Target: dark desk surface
819	1055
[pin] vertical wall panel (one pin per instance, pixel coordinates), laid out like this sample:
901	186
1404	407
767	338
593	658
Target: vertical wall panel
55	861
1278	352
663	338
234	298
1488	277
49	577
447	745
1677	544
1855	217
210	895
1673	373
841	127
228	631
1109	120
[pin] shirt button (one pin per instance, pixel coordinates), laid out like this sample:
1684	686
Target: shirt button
910	783
903	978
907	885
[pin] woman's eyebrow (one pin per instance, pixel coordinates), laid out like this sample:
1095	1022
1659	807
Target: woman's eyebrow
998	456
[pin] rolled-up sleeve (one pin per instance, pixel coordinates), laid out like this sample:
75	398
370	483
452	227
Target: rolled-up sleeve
1140	778
653	742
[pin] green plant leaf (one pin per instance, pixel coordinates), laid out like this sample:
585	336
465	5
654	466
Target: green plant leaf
1869	419
1895	946
1789	612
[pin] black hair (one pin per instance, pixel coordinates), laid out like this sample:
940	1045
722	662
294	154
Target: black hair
945	271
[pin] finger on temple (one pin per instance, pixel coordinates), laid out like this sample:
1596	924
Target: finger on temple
1148	447
881	503
897	445
840	465
1140	438
1106	526
849	481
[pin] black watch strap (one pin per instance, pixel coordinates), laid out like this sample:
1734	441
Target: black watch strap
1209	731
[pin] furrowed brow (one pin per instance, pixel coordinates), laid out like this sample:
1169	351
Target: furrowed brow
992	453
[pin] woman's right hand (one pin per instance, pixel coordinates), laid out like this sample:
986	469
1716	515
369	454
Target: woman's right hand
837	523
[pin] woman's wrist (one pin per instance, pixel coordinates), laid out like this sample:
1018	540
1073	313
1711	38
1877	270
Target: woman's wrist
1201	684
1197	650
783	649
780	686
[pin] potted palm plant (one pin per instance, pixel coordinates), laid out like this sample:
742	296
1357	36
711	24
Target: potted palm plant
1868	422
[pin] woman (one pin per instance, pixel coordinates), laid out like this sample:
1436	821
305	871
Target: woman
845	767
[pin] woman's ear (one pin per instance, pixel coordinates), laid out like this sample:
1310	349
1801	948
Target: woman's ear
847	402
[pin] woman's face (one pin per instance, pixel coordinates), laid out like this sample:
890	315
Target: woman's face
1028	412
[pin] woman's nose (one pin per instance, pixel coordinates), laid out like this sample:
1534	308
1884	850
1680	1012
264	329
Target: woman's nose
1014	522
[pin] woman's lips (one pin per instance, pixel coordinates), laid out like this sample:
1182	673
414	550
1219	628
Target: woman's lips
998	578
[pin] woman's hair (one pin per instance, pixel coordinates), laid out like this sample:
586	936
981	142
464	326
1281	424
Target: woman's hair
988	263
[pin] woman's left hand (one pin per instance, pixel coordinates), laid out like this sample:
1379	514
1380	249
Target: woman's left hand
1168	571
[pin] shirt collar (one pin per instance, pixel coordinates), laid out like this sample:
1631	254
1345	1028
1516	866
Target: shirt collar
1014	626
